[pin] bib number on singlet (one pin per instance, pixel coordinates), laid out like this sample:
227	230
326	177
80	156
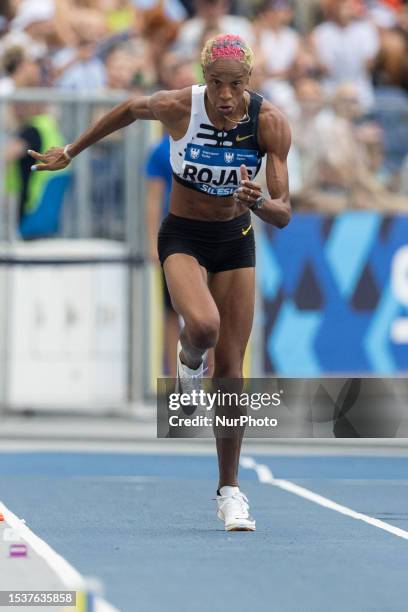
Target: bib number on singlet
216	171
226	179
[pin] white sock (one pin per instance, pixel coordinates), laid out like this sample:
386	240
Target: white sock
227	491
189	371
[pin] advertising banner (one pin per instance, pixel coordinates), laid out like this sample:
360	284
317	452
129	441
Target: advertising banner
334	293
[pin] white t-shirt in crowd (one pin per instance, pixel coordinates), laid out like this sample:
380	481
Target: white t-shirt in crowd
279	48
35	49
85	75
172	8
6	86
344	51
191	32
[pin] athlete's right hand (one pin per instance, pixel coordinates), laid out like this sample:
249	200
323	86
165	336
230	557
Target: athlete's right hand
53	159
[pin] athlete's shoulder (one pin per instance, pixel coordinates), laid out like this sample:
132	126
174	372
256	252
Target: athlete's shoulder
274	129
171	104
271	115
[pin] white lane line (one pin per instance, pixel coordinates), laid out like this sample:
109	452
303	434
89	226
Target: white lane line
68	575
265	476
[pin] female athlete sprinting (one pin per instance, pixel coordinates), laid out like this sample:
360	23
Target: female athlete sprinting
219	133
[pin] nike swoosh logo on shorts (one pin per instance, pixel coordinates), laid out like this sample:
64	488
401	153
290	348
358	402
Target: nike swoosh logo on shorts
245	231
241	138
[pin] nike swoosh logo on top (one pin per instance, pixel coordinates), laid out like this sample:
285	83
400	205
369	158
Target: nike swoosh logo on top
245	231
241	138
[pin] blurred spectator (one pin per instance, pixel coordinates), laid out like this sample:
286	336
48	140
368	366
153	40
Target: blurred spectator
7	9
30	28
3	25
310	114
346	103
107	160
20	70
310	106
307	63
308	13
35	17
160	33
119	14
371	137
347	48
145	72
339	173
44	25
403	17
212	14
391	113
277	42
175	73
391	67
80	68
173	9
37	130
392	63
404	178
120	69
6	14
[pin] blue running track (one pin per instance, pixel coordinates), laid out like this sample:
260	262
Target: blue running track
146	526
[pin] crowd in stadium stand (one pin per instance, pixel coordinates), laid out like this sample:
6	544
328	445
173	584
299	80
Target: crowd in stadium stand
337	68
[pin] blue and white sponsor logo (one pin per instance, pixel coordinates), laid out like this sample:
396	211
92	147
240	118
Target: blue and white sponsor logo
222	157
217	191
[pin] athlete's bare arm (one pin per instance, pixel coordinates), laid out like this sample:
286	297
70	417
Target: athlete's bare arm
169	107
274	138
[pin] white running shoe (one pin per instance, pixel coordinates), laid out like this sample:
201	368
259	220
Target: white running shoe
189	380
233	509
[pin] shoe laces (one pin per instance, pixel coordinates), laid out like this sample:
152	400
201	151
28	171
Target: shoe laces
238	497
189	383
199	375
194	384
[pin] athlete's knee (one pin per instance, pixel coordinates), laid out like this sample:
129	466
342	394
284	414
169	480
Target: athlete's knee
203	331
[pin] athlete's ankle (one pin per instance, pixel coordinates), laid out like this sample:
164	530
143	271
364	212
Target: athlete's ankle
220	486
193	364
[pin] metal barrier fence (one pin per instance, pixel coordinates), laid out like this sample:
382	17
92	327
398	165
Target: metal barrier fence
107	179
105	201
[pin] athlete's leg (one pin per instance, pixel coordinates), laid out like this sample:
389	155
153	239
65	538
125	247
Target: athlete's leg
191	298
171	332
171	336
234	294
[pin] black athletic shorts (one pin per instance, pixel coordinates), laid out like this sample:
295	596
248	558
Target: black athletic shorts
217	245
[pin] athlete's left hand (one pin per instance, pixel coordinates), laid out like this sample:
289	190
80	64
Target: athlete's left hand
248	192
